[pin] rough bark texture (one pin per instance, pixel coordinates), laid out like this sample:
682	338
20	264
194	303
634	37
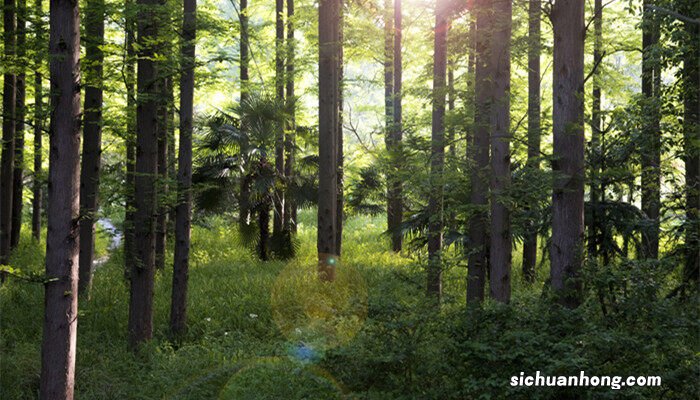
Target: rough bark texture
479	157
567	199
329	86
8	135
651	144
62	249
146	169
394	195
499	63
130	139
38	124
183	210
279	198
691	126
593	222
290	208
20	115
533	128
92	139
437	152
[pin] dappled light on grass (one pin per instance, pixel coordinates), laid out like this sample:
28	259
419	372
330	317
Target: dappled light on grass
315	315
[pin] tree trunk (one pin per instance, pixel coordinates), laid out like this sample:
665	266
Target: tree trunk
533	129
437	152
340	208
130	139
244	49
500	248
395	202
183	210
593	224
145	174
8	136
290	210
479	155
278	197
20	114
651	145
162	195
691	127
92	139
390	129
567	199
38	123
62	248
329	87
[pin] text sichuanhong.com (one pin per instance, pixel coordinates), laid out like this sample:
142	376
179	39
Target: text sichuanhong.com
583	380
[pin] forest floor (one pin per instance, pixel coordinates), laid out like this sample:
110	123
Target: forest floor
244	343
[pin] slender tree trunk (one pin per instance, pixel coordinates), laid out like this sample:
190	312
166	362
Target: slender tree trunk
437	152
340	208
244	50
395	202
20	114
390	129
92	142
278	197
691	127
8	135
329	113
38	123
500	254
479	156
290	211
651	145
130	139
162	195
533	129
62	242
567	201
146	170
183	210
593	224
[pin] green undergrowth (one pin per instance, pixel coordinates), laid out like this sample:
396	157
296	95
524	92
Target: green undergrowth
405	349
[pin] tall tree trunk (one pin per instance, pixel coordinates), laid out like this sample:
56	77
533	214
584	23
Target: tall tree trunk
329	113
567	199
390	129
394	195
244	49
437	152
593	224
340	208
479	156
8	135
62	248
130	139
20	114
651	145
691	127
500	254
290	210
183	210
278	197
38	122
92	139
146	170
162	195
533	129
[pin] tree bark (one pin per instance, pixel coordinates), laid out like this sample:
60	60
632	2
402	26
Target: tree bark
500	254
244	49
38	123
183	210
567	199
145	179
340	208
162	195
8	135
395	201
329	102
62	248
20	115
593	224
533	129
290	211
437	152
479	155
389	123
130	139
651	144
278	197
92	142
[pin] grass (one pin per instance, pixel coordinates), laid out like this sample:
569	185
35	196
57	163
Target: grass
393	346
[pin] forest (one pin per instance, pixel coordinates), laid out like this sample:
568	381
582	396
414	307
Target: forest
350	199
